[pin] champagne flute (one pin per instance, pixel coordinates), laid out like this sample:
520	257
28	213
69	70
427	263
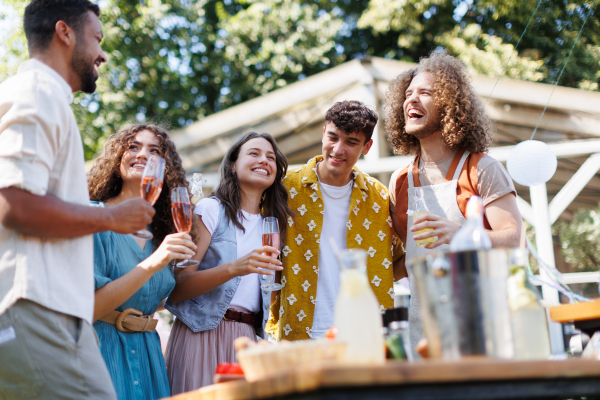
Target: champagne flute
181	208
152	181
270	237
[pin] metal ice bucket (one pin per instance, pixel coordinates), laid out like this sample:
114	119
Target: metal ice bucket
464	303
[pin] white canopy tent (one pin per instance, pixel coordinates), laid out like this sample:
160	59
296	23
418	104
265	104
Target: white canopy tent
294	115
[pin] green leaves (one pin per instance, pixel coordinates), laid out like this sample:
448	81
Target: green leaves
488	54
176	61
580	239
483	33
272	42
410	18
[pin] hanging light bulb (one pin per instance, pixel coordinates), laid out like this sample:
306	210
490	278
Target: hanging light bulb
531	162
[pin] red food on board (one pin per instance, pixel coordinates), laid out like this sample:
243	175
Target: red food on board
229	369
331	333
236	369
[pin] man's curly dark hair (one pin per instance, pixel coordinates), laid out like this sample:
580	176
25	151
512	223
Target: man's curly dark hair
352	116
463	119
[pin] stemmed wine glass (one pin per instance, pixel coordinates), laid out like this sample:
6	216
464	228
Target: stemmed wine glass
181	208
197	183
270	237
152	181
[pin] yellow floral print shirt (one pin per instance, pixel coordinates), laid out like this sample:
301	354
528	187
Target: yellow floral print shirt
369	228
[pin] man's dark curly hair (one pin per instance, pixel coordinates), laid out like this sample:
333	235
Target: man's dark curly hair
463	120
352	116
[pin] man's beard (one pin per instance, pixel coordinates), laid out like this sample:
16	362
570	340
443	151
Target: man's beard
84	70
424	131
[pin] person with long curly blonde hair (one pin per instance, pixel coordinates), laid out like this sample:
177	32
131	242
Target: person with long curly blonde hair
131	280
434	113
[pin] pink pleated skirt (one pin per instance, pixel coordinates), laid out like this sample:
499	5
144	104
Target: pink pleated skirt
193	357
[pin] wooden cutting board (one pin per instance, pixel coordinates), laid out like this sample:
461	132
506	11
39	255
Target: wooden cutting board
575	312
396	373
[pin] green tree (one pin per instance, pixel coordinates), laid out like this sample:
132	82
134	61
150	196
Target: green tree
489	28
150	46
177	61
13	48
149	75
274	42
488	54
579	239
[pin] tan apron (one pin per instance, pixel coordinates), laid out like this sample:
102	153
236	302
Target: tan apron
441	200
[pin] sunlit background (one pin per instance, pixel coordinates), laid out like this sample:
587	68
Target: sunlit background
212	70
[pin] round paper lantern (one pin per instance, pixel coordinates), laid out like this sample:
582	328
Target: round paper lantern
531	162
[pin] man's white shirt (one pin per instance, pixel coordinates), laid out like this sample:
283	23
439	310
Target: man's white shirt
41	152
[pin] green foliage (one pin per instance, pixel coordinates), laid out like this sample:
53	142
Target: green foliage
530	233
409	18
13	49
488	54
457	25
150	47
273	42
580	239
176	61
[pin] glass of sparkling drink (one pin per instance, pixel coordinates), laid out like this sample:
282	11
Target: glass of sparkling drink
270	237
420	208
181	209
152	181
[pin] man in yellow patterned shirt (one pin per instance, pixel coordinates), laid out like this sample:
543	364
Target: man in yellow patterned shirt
333	199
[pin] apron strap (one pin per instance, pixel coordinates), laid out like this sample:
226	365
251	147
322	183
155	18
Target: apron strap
413	178
461	164
457	165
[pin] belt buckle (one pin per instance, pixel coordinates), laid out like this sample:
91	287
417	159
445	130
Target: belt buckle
121	317
234	320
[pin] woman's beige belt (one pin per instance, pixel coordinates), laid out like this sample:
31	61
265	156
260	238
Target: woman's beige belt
130	320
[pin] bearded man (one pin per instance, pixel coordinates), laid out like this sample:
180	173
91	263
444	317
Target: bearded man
48	348
435	114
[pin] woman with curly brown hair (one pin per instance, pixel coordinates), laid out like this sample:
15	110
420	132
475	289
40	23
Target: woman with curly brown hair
131	280
434	113
221	299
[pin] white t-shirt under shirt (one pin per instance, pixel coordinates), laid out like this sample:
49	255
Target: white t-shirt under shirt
247	297
334	226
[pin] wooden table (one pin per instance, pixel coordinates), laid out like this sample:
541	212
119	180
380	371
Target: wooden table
477	378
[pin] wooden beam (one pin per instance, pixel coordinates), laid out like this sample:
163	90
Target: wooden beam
581	277
574	186
526	210
507	90
207	152
300	141
300	157
558	121
573	148
517	133
545	249
253	111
